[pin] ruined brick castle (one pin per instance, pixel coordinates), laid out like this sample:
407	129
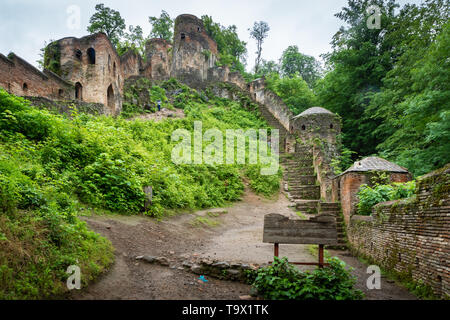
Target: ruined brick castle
90	70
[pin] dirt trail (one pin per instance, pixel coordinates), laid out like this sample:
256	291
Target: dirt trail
236	237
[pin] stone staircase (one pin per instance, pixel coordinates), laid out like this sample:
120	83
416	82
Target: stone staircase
335	209
300	179
274	123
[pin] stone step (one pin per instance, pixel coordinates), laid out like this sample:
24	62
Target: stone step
303	154
304	171
330	205
310	207
303	186
306	192
303	150
299	164
298	161
302	180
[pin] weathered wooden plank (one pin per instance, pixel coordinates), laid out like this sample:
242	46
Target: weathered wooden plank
318	230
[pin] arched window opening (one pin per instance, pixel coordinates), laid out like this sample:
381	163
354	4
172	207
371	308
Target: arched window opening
198	29
109	63
331	126
183	36
114	69
60	93
78	54
110	98
25	87
91	55
78	91
303	127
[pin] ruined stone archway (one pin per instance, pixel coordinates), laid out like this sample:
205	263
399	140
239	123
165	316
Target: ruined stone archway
111	99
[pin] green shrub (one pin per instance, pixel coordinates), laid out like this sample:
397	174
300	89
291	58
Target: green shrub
368	197
50	163
110	184
263	184
283	281
107	161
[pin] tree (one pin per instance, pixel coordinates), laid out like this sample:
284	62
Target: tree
108	21
390	85
41	61
162	27
294	91
360	59
293	61
232	51
413	105
259	32
269	67
134	40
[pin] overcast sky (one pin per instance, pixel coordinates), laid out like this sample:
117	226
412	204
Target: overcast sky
26	24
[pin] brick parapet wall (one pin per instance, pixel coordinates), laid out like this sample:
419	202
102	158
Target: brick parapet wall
16	72
411	236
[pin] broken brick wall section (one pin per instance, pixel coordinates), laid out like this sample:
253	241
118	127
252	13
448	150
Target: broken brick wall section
411	236
22	79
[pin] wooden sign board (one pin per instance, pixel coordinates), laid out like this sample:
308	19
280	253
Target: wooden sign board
317	230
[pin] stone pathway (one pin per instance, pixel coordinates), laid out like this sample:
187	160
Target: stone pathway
154	260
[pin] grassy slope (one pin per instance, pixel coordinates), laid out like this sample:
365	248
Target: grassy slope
52	166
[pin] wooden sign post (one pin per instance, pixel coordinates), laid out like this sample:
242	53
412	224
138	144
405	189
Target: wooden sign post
320	230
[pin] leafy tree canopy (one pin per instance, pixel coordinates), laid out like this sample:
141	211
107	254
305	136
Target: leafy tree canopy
293	90
108	21
232	50
293	61
162	27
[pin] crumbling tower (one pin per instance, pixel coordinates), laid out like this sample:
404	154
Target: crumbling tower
194	52
92	64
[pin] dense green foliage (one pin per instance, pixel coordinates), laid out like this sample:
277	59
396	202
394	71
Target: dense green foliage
294	62
40	235
283	281
390	84
232	51
415	109
109	161
294	92
368	196
53	166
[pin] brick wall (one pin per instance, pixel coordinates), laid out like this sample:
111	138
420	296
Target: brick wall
411	236
349	184
22	79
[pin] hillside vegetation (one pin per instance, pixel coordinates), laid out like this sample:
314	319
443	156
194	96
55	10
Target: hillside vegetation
54	167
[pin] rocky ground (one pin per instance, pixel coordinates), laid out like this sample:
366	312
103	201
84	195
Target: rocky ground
163	260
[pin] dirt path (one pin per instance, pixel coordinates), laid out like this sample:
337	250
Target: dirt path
232	234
